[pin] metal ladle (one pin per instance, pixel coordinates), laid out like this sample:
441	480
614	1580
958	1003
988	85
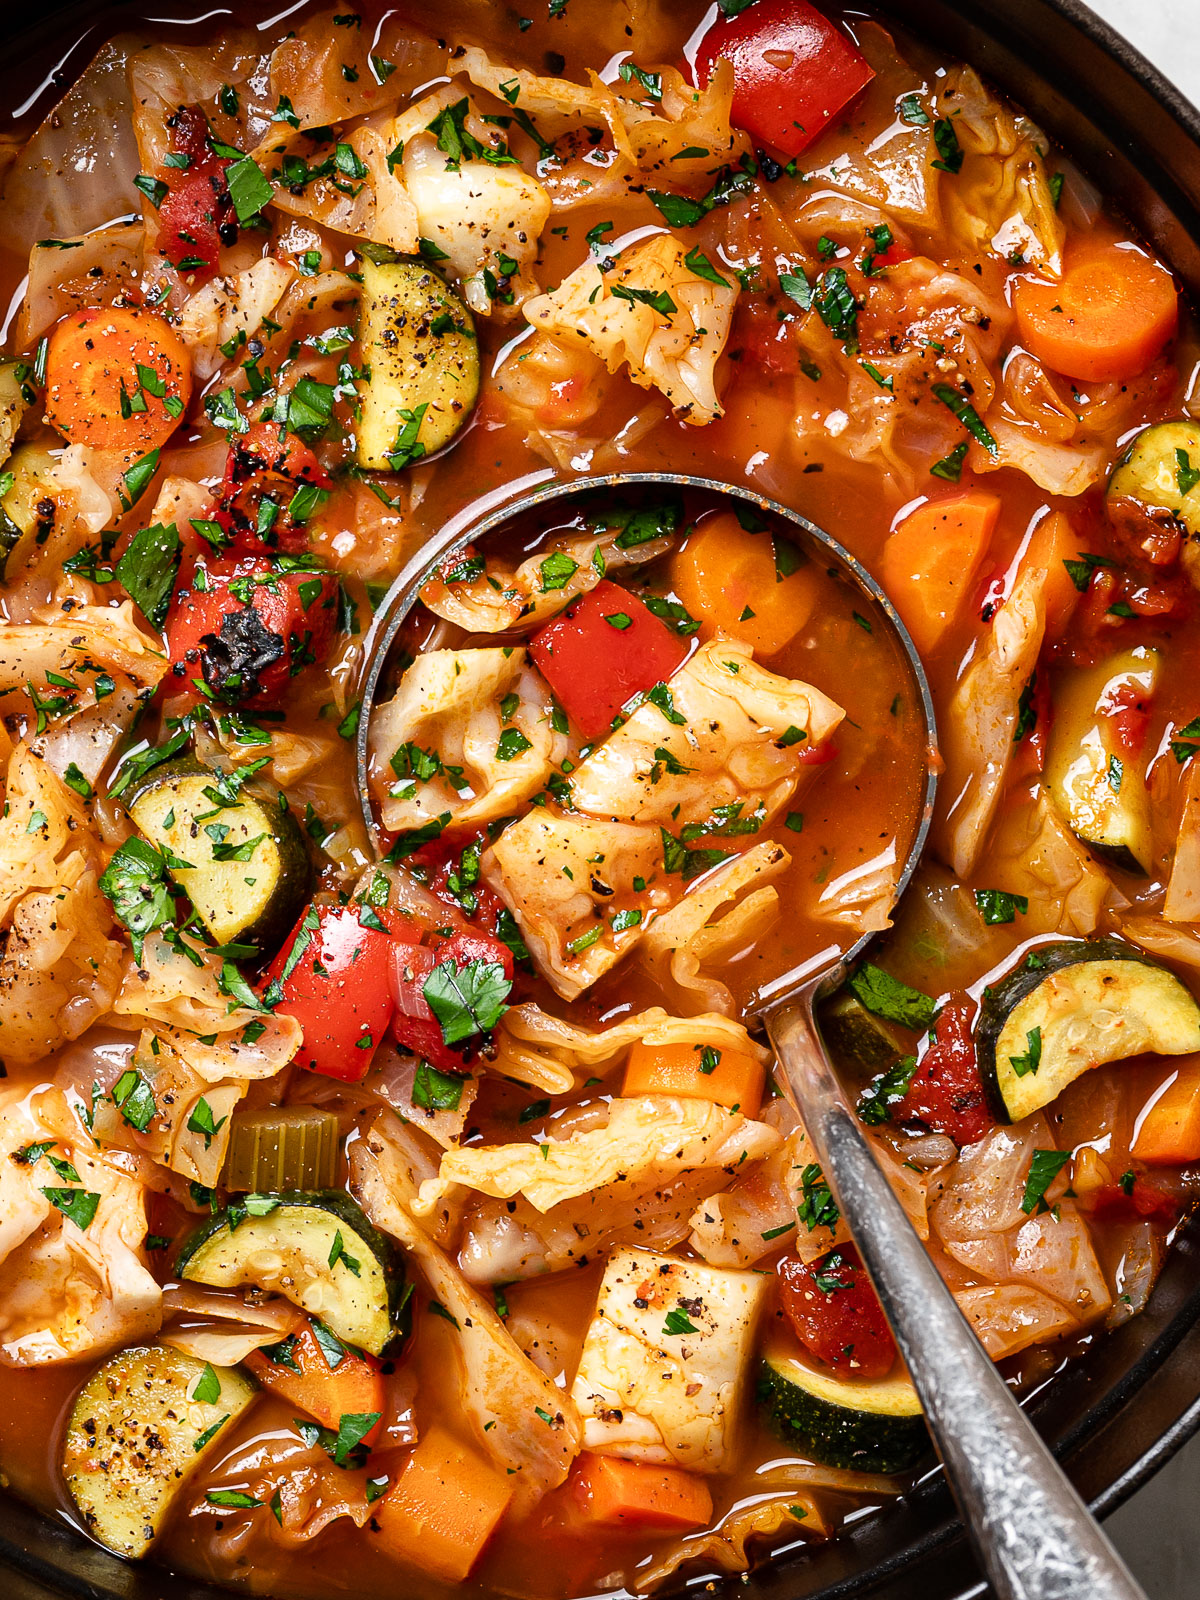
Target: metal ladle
1032	1532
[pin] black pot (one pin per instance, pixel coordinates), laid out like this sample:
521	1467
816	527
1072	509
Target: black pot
1118	1413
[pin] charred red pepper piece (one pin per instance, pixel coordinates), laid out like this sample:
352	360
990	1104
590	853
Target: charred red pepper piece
793	71
946	1092
832	1305
459	962
264	502
333	976
244	629
606	647
197	216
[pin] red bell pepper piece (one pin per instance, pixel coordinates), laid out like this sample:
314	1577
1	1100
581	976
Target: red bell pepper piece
261	507
415	1025
334	977
197	216
793	71
946	1092
243	629
832	1305
606	647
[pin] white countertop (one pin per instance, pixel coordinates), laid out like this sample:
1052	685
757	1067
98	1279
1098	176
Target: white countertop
1167	31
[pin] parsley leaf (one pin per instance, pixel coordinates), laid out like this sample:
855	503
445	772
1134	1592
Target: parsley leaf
1043	1169
884	996
466	1000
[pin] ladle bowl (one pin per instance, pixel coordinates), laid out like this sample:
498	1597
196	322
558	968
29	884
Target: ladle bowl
395	612
1033	1534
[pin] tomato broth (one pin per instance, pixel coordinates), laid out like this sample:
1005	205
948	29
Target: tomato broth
413	1204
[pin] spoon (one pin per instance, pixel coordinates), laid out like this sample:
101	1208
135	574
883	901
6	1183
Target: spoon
1033	1534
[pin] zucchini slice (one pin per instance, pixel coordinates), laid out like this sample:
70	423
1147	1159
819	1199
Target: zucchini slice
843	1422
858	1038
313	1246
29	506
419	347
247	872
140	1427
282	1147
1071	1006
1156	470
1097	786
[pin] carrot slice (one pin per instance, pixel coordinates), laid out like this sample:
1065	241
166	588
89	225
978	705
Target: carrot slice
1169	1133
1107	318
635	1494
726	1077
444	1507
744	584
354	1387
931	558
117	378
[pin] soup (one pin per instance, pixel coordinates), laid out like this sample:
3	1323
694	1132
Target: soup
397	1190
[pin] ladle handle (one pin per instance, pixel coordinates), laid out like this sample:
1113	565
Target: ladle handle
1034	1536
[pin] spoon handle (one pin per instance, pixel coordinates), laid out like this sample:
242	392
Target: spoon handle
1032	1532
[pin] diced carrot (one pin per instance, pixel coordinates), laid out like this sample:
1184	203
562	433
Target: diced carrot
354	1387
1105	319
444	1507
726	1077
1170	1131
749	585
1054	543
930	561
96	357
635	1494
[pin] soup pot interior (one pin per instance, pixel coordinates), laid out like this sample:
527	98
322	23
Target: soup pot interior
1120	1411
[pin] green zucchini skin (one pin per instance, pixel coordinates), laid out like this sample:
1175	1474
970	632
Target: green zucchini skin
1167	1012
369	1309
856	1037
418	340
262	914
1148	471
137	1434
859	1426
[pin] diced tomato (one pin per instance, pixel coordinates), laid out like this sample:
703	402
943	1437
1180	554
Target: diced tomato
793	71
893	256
1128	709
414	1024
197	216
818	755
244	629
260	508
606	647
832	1305
1123	1202
451	872
334	974
946	1092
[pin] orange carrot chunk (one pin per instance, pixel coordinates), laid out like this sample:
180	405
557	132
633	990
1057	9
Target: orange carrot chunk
752	586
299	1370
703	1072
117	378
1169	1133
634	1494
443	1508
1105	319
931	558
